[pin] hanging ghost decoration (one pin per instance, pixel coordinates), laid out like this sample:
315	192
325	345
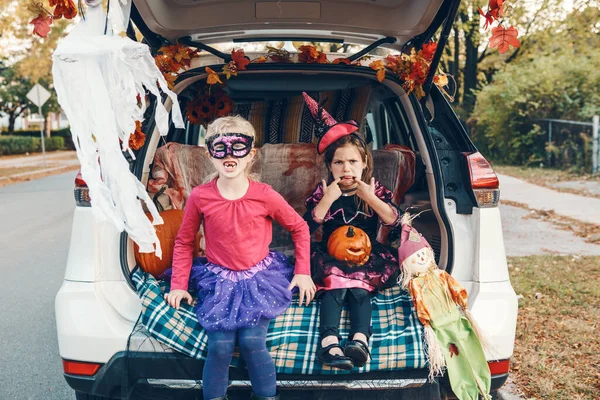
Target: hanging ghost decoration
98	74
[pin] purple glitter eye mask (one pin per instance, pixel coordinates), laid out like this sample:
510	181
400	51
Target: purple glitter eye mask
237	145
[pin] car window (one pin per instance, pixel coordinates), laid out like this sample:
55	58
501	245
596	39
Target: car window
372	131
403	133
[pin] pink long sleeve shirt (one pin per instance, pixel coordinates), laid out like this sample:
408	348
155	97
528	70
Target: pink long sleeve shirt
237	232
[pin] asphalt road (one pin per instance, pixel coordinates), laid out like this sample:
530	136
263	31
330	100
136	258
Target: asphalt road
36	228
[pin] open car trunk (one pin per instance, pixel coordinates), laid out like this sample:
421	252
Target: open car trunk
356	21
287	160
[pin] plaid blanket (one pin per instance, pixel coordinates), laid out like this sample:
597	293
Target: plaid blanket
293	337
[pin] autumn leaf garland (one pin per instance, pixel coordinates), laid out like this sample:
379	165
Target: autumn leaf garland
412	69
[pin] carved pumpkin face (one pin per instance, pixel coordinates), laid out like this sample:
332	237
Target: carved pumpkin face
351	244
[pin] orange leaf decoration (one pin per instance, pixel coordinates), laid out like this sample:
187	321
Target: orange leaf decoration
230	69
376	65
278	55
41	25
503	38
260	60
174	57
380	68
64	8
310	54
137	138
170	77
240	59
428	51
453	350
212	77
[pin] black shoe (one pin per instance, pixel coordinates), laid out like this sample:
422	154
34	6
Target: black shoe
358	352
334	360
256	397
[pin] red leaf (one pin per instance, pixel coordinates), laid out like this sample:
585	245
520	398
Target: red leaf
428	51
240	59
494	11
41	25
502	38
64	8
453	350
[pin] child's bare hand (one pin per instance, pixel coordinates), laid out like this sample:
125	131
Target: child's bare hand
306	287
174	297
365	191
332	191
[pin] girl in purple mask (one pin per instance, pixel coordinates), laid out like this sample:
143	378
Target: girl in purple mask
241	285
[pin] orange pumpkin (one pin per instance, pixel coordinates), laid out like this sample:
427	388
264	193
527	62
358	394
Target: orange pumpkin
166	233
351	244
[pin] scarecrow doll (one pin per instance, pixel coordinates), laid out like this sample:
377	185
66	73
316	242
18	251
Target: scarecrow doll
452	339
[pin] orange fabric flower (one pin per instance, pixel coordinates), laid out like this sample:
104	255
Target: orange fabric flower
223	106
341	61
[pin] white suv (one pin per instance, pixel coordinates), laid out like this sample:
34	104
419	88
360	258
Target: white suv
107	350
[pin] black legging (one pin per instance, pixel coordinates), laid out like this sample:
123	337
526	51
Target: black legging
359	307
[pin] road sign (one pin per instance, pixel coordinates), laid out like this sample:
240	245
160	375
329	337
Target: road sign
38	95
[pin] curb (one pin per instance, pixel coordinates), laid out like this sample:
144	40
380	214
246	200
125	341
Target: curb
37	171
504	395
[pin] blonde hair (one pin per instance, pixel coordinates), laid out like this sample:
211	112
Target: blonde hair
232	124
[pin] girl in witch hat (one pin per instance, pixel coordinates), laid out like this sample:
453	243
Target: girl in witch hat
349	264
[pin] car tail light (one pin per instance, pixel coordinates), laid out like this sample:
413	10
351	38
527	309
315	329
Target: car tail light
80	368
499	367
484	181
82	193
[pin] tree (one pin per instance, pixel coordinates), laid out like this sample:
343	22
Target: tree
13	96
467	57
555	76
28	58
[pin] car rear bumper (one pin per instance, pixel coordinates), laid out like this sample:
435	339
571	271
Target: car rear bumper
128	373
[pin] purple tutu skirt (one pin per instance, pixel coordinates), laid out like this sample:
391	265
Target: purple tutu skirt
229	300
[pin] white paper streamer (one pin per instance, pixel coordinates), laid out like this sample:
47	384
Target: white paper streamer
97	79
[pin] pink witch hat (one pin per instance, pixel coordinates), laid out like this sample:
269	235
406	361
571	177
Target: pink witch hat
327	129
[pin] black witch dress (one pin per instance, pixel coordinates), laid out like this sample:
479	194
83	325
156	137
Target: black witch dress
379	272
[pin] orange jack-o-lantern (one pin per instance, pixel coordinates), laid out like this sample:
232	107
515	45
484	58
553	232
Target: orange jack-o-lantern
351	244
166	233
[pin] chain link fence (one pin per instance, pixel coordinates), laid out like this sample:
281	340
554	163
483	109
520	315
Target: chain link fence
572	144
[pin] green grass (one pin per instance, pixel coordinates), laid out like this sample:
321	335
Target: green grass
537	175
557	349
